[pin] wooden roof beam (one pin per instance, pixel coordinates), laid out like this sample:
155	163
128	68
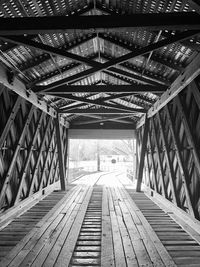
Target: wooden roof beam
53	24
19	88
133	89
103	111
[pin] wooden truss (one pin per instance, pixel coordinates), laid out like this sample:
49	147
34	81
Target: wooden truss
34	135
31	144
170	164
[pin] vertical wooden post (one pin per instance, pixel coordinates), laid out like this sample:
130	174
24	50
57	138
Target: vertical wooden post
60	154
142	155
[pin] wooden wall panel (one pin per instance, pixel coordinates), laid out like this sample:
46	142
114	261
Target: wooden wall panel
173	153
28	149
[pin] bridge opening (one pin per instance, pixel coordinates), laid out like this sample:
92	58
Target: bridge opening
87	156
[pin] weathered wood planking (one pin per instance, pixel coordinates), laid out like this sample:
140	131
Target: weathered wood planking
17	255
18	228
107	252
132	240
126	241
181	245
108	227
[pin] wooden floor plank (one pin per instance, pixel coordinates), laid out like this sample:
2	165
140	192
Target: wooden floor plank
107	253
132	221
121	231
130	256
117	240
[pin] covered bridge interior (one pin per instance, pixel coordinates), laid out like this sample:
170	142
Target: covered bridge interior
70	67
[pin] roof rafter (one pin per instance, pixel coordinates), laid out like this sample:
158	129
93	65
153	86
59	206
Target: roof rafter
119	119
97	102
61	52
130	47
45	57
102	104
124	75
20	40
81	40
124	58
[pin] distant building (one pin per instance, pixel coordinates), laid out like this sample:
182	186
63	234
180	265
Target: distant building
113	158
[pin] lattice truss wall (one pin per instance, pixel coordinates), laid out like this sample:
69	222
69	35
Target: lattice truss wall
28	149
172	152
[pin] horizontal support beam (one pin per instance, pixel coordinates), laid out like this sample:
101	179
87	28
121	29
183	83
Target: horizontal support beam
100	111
70	89
111	125
53	24
19	88
101	134
183	80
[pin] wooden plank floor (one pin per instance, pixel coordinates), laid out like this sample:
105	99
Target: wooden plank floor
99	224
